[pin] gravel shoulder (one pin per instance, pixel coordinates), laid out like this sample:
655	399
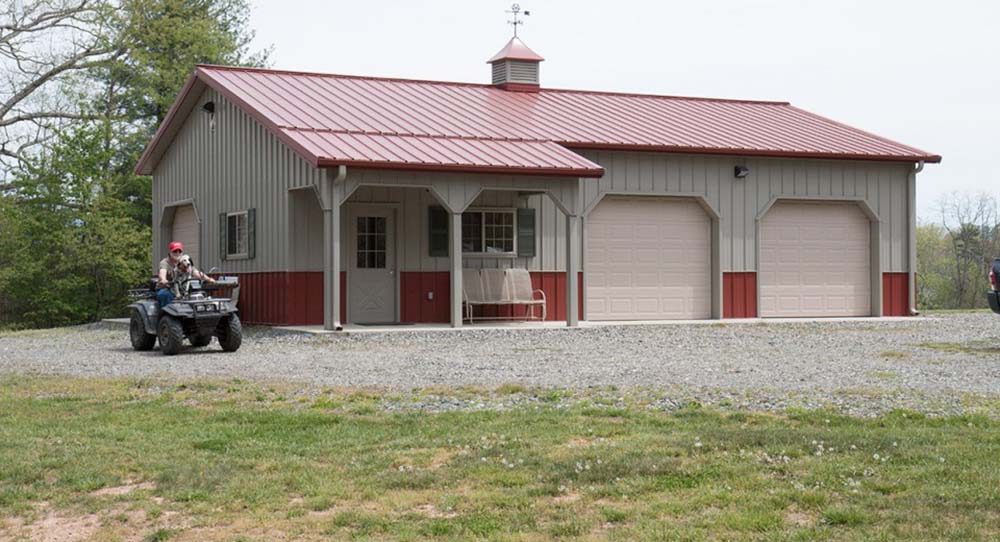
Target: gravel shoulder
938	364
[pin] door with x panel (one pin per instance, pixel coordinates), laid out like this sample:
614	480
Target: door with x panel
371	274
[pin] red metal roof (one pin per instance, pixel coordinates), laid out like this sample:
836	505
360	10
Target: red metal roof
515	50
334	119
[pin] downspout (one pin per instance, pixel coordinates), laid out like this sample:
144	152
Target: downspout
342	173
911	283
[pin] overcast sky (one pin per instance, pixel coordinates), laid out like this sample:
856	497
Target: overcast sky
924	73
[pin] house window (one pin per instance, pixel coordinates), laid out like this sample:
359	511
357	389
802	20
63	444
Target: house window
237	235
488	232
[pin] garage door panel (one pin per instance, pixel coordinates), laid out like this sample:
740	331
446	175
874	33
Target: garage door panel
659	259
815	260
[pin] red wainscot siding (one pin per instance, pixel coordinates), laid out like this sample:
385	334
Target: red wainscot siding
739	295
895	294
296	298
282	298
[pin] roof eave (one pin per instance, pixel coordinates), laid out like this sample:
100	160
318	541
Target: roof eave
146	162
464	168
150	158
927	158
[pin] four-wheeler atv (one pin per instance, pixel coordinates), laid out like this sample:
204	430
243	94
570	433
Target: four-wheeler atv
196	316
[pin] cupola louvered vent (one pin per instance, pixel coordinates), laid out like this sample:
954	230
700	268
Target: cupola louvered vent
515	67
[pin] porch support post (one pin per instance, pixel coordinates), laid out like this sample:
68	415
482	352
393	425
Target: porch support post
455	253
573	248
331	268
330	192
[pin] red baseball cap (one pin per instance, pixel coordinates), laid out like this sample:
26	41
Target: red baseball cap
176	245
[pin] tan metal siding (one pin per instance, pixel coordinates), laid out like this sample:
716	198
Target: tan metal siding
238	165
739	202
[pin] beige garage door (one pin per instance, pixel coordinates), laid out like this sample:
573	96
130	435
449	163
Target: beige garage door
648	259
185	230
815	260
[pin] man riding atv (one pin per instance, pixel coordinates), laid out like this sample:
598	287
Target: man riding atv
177	306
176	272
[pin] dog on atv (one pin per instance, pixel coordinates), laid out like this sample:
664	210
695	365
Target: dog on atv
195	316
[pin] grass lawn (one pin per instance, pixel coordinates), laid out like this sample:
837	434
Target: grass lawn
236	461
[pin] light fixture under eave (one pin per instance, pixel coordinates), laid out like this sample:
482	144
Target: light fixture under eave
741	172
209	108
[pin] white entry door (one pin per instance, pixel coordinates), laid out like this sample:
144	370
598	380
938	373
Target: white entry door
371	274
648	258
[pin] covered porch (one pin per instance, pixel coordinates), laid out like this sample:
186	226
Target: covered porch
384	248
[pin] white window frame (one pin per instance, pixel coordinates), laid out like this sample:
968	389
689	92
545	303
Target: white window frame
246	235
482	231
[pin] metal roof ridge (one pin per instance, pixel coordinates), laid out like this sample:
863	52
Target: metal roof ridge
342	75
542	90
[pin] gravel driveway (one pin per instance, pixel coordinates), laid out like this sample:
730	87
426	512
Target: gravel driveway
939	363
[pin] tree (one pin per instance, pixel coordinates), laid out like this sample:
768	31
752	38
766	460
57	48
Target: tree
44	46
75	220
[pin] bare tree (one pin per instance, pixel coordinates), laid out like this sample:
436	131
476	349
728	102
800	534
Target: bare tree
43	45
972	223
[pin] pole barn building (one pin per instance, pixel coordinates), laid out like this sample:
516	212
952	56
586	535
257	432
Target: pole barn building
361	199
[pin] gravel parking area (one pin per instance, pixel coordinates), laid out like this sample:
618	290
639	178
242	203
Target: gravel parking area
938	364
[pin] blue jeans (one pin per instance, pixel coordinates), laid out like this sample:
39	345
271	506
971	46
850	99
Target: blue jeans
164	297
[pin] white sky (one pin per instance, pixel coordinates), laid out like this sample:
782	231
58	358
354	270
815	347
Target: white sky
924	73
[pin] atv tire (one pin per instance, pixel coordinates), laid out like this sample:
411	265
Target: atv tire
171	335
141	340
230	333
201	340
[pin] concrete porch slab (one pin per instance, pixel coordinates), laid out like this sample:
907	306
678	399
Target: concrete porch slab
403	328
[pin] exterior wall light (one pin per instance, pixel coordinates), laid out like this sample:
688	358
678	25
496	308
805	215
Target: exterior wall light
209	108
740	172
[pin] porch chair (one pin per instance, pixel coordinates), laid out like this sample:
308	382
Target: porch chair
521	292
472	291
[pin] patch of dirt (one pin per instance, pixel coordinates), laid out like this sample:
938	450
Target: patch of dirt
117	522
441	459
579	442
799	519
64	528
123	489
432	511
569	496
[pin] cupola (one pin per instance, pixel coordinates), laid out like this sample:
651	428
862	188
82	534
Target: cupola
515	67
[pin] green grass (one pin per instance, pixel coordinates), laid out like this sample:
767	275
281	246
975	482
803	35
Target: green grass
980	348
241	461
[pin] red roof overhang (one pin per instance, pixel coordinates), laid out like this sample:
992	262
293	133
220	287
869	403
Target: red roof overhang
434	126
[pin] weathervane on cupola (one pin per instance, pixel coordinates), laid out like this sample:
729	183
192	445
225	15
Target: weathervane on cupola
515	67
514	11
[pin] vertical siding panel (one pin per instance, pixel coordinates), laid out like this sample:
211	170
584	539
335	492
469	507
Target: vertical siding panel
726	220
884	189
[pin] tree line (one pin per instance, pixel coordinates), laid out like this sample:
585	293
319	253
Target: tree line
85	85
955	252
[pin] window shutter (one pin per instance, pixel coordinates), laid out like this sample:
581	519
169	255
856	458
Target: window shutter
438	232
526	232
251	233
223	228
